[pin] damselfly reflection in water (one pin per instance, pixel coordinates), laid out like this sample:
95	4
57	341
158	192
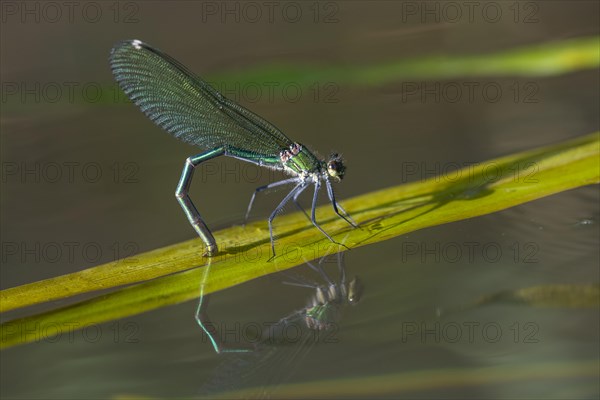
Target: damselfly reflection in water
190	109
271	355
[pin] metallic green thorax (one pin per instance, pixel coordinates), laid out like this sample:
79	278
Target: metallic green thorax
322	316
299	160
322	312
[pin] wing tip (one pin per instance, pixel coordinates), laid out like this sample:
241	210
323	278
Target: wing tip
138	44
135	43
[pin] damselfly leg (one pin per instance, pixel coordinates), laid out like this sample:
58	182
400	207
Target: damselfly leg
267	187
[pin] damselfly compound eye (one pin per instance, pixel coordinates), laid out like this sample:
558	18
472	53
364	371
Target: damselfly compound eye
335	167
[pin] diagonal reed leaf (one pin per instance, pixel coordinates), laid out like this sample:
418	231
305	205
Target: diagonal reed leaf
488	187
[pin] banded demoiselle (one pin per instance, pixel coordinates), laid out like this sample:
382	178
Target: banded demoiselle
191	110
260	356
322	312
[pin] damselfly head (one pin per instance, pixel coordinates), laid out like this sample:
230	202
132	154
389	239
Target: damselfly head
335	167
355	290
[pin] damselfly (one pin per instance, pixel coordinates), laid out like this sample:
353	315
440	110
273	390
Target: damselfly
260	366
321	313
190	109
